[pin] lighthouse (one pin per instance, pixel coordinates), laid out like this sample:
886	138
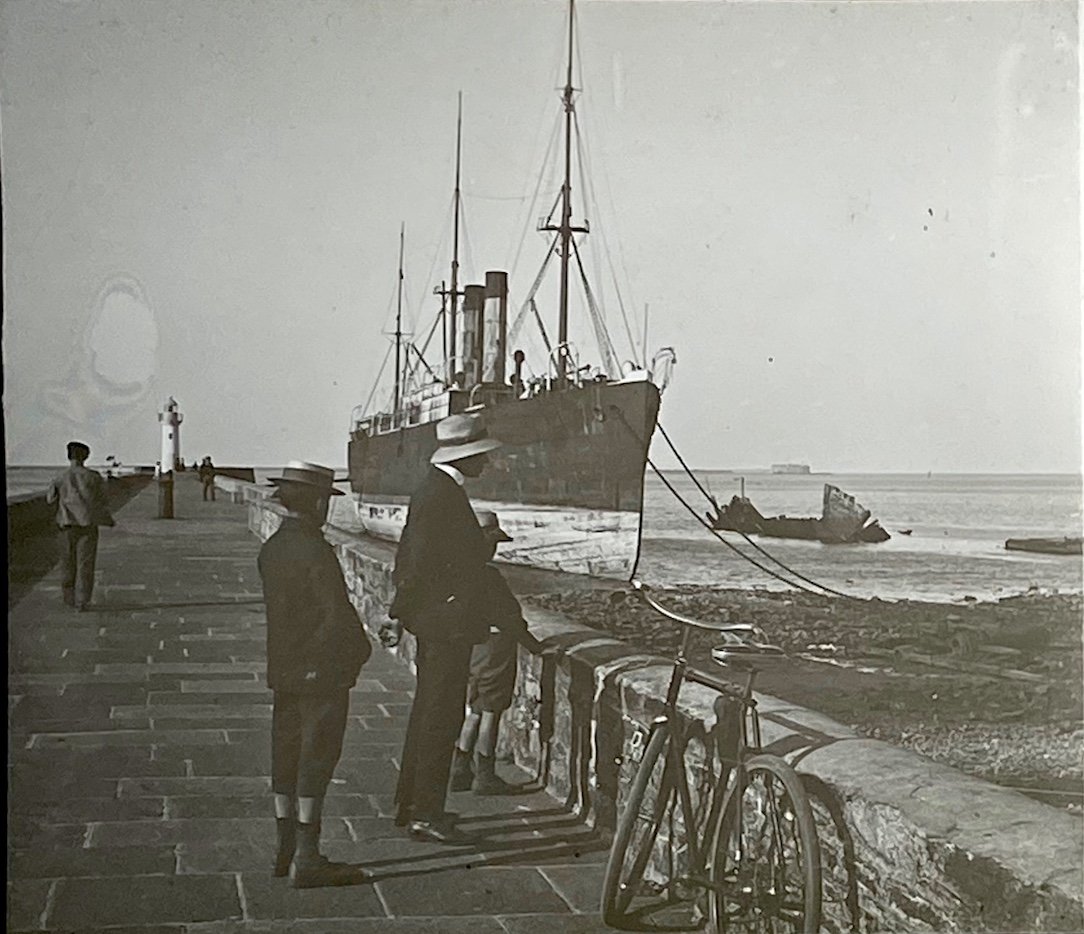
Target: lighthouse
171	419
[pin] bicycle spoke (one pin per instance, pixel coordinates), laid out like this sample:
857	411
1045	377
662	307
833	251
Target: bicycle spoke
759	860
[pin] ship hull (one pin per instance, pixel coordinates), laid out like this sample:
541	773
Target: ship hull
567	483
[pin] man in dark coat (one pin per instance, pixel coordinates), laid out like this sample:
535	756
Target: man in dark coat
81	508
315	649
439	577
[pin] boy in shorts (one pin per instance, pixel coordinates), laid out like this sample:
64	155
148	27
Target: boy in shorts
492	677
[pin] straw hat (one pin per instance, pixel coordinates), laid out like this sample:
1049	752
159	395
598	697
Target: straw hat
306	474
491	525
461	436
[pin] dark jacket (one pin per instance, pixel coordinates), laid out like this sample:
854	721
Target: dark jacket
502	610
315	643
439	566
80	497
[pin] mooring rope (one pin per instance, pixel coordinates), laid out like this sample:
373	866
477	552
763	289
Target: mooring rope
734	548
767	554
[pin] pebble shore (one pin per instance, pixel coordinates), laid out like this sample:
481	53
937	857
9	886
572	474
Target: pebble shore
991	688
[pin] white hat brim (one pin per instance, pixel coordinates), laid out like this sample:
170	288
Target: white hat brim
448	453
291	481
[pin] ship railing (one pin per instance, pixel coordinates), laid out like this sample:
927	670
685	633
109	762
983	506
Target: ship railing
662	367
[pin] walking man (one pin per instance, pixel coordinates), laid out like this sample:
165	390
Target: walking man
439	578
492	677
315	649
207	478
81	508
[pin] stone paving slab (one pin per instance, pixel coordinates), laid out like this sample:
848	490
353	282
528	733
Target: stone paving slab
144	899
139	750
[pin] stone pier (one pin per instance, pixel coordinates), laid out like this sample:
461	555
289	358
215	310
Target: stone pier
138	760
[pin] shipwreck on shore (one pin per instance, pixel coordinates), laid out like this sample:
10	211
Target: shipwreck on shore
843	520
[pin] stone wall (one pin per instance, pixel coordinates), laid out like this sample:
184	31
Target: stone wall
906	844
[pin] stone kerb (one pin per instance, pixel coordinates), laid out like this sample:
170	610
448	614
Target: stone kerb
906	844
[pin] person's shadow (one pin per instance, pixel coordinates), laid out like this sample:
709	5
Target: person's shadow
34	548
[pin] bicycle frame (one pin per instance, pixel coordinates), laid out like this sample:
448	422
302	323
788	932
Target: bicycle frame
737	731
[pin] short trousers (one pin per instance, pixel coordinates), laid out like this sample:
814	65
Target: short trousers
492	674
306	741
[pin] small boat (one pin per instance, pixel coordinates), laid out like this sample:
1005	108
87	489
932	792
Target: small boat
843	520
1047	546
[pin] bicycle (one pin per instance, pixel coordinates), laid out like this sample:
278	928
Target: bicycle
758	864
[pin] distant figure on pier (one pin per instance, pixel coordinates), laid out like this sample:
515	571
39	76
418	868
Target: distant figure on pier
439	575
315	649
81	508
492	676
207	477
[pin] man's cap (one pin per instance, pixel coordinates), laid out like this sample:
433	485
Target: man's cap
76	448
491	525
302	473
460	437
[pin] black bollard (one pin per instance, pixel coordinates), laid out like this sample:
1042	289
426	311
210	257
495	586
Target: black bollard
165	495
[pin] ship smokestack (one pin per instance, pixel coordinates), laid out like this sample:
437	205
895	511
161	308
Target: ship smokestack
473	324
495	328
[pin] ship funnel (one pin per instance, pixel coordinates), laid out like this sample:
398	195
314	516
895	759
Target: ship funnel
495	328
472	324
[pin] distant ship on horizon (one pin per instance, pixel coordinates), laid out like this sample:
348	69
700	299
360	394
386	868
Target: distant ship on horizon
791	468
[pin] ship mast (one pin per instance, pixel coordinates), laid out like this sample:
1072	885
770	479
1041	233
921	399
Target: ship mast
453	293
399	325
565	230
566	207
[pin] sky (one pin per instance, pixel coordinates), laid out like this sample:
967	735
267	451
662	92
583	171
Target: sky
857	224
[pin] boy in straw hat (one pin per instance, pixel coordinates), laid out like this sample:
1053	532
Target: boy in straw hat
439	578
315	649
492	677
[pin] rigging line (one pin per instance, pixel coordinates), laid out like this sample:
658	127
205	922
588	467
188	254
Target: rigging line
692	511
376	382
589	188
517	324
606	347
620	248
421	358
711	499
730	545
439	249
429	337
467	267
535	194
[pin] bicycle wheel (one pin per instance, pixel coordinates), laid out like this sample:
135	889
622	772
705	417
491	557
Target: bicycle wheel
765	859
637	827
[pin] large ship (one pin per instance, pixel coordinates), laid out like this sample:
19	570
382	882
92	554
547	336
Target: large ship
568	482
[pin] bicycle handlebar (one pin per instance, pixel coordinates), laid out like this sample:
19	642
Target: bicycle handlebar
643	591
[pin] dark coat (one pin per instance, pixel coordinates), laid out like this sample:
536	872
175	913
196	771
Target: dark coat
439	567
315	643
502	610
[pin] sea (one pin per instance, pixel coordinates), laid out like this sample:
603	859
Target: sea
957	524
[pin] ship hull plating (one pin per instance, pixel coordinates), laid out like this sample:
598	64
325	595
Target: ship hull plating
567	483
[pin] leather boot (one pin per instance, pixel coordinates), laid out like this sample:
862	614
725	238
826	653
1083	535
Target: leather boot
310	870
462	774
286	832
486	781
